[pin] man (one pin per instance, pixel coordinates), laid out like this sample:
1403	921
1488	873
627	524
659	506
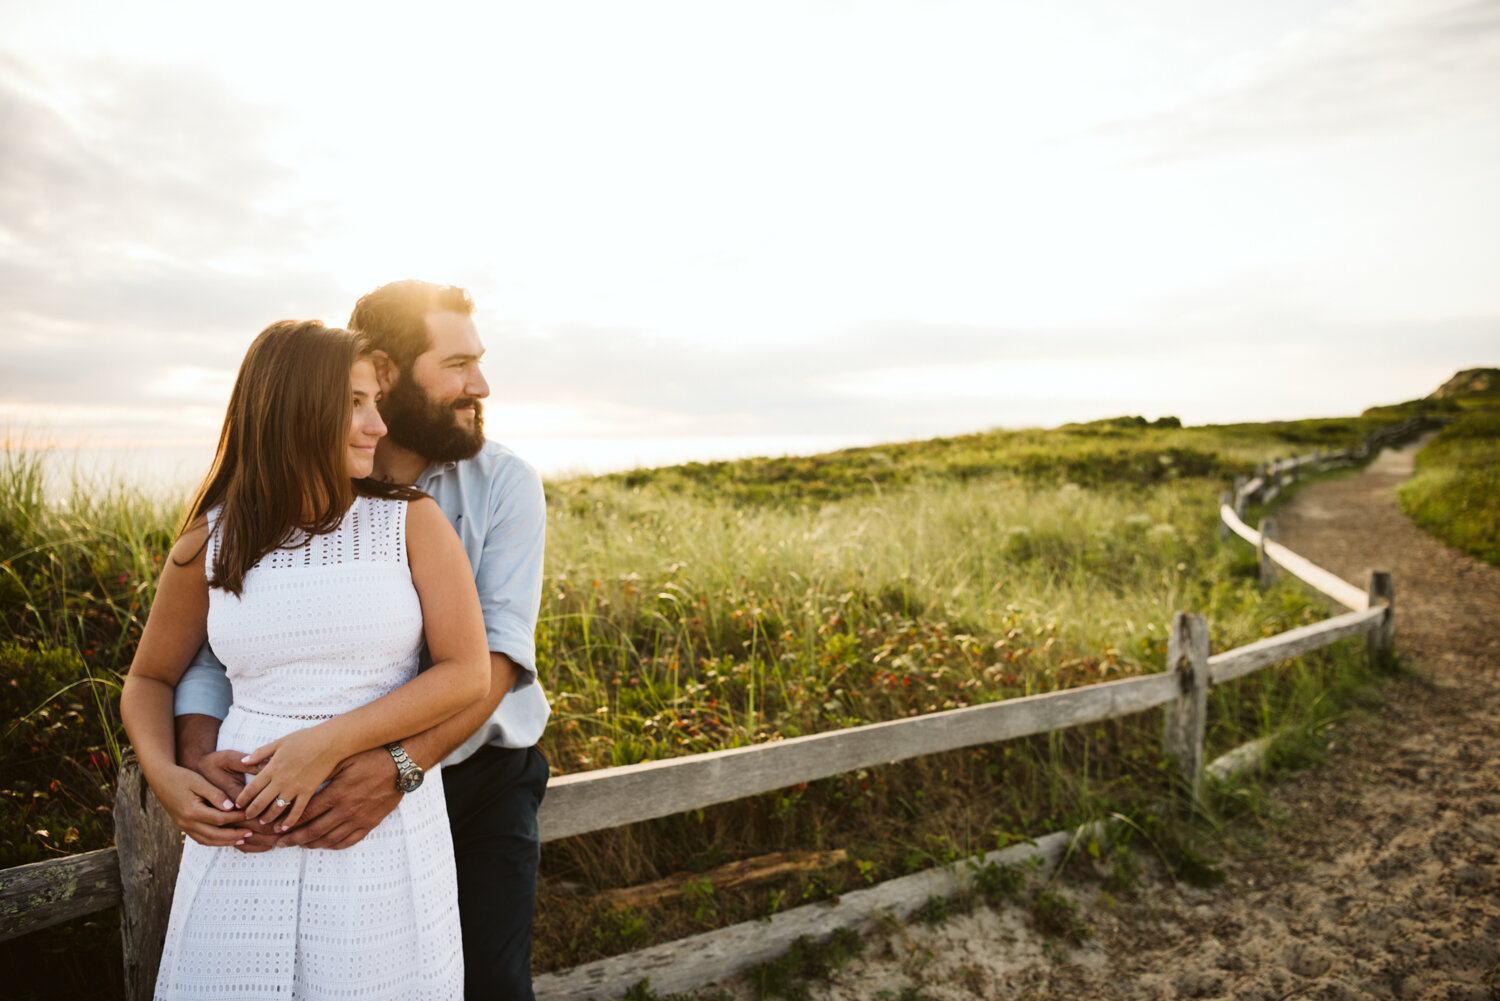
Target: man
427	353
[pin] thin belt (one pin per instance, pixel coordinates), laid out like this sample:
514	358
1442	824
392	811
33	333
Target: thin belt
257	712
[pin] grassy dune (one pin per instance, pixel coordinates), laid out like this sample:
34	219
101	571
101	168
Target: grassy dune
1455	493
717	604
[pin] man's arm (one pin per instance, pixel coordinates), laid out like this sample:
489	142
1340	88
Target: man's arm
428	749
363	790
202	699
200	703
508	576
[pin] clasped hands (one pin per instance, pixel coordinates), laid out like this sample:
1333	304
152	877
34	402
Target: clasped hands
359	793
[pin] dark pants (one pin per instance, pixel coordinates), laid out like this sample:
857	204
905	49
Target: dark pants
492	802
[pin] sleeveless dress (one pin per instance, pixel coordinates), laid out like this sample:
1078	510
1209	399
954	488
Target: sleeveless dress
320	629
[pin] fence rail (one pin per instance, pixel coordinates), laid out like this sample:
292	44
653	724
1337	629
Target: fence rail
46	893
612	797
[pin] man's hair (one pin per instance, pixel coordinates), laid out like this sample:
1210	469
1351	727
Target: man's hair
393	318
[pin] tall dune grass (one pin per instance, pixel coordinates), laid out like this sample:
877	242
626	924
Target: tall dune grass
1455	493
670	626
716	605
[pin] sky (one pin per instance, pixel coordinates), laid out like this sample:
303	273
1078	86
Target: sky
876	220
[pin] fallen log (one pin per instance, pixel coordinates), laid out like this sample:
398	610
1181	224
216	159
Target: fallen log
732	876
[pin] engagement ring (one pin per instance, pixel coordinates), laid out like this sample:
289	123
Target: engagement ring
281	802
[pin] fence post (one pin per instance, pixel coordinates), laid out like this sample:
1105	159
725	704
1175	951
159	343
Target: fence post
150	848
1226	499
1187	717
1267	568
1380	643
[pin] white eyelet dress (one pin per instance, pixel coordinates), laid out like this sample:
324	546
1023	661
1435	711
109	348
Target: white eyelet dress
319	630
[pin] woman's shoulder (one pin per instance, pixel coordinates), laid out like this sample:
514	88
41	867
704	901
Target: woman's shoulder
191	544
422	512
426	524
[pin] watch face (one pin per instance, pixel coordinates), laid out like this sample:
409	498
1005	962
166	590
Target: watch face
408	781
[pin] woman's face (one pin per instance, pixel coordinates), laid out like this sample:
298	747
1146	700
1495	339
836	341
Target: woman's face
365	427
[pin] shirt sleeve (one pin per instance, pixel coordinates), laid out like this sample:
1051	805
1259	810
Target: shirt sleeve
204	687
509	577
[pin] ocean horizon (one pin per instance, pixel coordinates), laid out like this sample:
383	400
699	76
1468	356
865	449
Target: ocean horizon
167	470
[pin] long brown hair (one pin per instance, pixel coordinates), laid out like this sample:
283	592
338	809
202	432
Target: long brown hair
282	452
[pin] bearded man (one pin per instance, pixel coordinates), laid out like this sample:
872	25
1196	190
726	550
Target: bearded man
427	352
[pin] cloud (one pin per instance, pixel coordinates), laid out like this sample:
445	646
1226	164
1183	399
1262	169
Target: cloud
1371	67
122	158
902	380
137	229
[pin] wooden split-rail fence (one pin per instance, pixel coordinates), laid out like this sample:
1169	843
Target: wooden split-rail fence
139	872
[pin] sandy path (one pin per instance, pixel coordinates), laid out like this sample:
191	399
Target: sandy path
1381	878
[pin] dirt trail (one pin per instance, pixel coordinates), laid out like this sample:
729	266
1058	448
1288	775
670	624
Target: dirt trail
1381	878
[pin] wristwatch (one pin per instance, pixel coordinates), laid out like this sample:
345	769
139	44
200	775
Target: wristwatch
408	772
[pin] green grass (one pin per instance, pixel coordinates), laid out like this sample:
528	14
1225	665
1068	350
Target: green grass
1108	453
716	605
1455	494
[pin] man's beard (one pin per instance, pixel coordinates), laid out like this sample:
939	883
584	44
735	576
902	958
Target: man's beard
417	422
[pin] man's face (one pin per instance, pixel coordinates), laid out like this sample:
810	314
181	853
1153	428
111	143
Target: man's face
433	409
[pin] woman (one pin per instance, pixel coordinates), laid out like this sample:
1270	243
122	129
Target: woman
316	587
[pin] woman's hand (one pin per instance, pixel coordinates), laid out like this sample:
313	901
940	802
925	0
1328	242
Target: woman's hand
200	810
291	770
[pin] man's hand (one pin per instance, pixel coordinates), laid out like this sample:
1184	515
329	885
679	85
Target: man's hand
229	775
225	770
197	735
360	794
362	791
200	810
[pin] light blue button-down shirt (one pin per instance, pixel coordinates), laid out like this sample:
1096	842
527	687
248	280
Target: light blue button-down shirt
495	503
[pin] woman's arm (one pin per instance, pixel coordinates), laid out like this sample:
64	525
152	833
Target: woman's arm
174	630
460	673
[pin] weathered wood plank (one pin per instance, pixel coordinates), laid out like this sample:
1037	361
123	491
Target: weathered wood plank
1186	719
1242	759
150	850
1245	660
1303	569
43	894
1380	643
691	962
611	797
1265	532
1231	518
730	876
